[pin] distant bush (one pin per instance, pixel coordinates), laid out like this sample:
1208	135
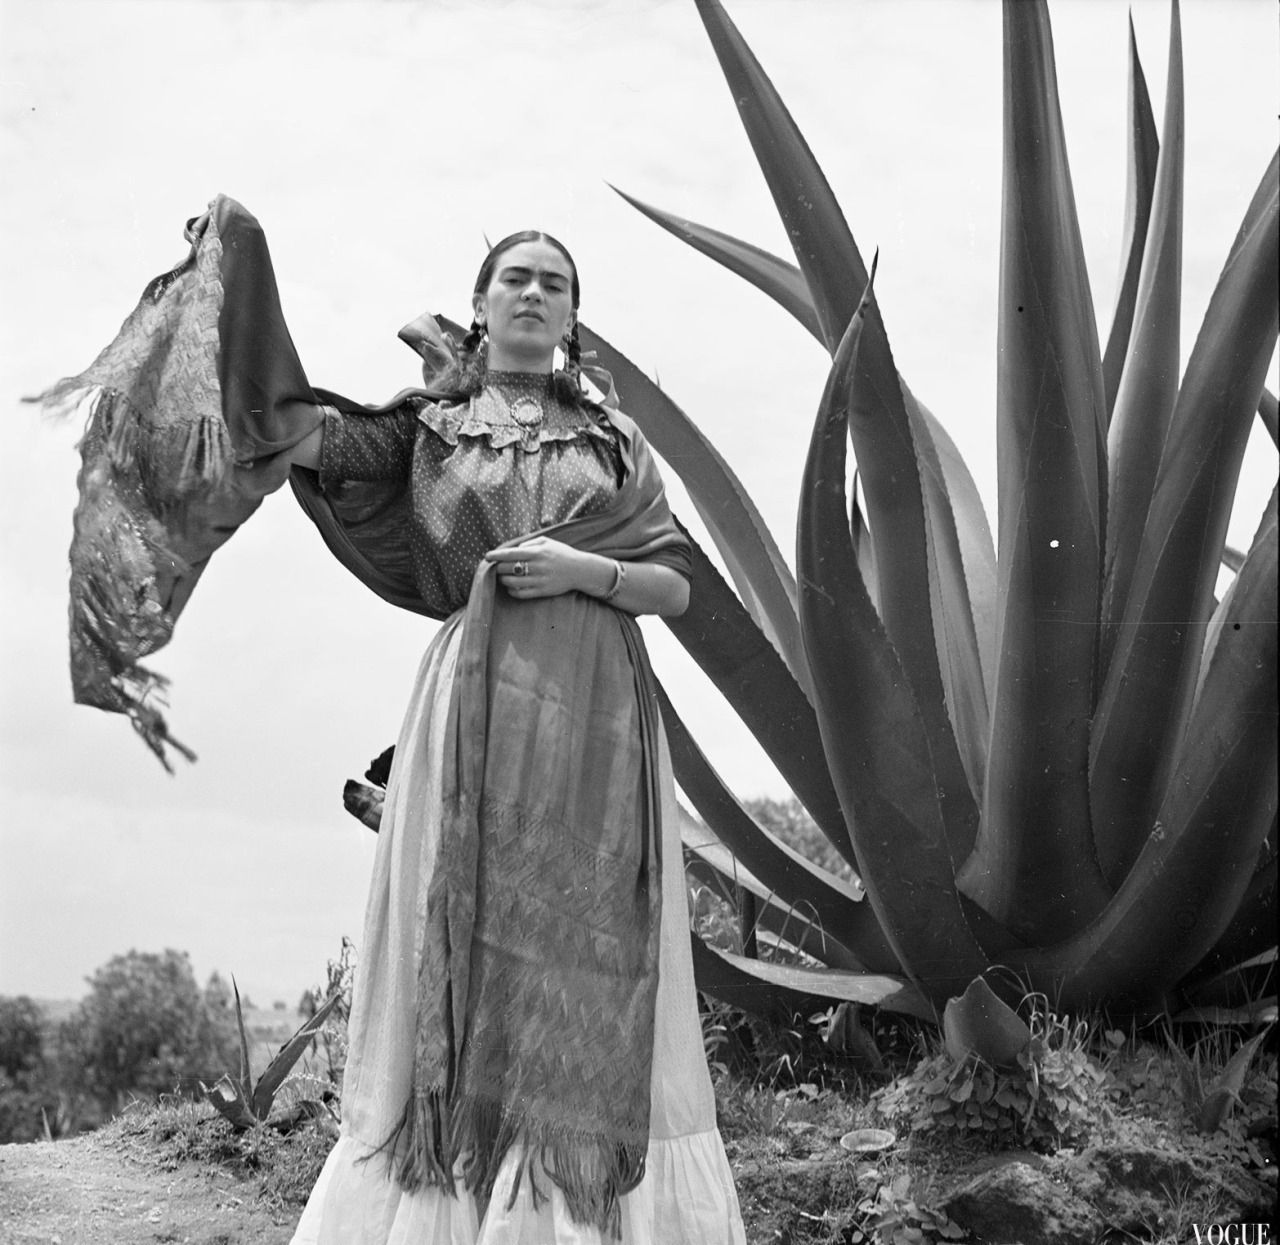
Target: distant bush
28	1104
21	1035
145	1028
793	825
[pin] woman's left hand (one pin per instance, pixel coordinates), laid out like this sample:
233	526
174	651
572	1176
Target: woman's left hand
539	567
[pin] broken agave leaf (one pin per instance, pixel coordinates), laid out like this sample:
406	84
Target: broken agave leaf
979	1023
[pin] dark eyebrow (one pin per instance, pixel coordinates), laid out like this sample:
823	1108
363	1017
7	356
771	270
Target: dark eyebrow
519	270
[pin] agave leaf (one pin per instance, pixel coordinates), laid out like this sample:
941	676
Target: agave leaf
952	492
245	1086
761	575
1226	1086
1213	632
1238	984
1260	1012
1153	672
1251	930
775	277
876	744
270	1081
828	256
977	550
1144	153
710	861
1232	558
1202	849
1269	413
734	654
784	990
837	906
1034	868
863	549
892	466
950	562
969	610
979	1023
772	131
224	1094
1149	384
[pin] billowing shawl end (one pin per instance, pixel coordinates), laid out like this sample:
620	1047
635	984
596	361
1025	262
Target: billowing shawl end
193	408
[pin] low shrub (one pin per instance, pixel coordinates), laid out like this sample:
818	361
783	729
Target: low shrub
1047	1096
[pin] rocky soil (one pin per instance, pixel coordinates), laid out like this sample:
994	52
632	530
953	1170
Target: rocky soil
123	1186
100	1189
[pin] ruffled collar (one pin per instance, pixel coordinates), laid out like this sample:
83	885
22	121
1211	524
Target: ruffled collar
514	408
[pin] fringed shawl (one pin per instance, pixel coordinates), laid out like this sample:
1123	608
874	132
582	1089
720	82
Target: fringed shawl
193	408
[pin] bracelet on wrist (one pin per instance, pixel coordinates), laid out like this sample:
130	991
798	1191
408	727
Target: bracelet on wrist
619	578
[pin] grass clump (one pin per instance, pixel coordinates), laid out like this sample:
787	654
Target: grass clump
282	1167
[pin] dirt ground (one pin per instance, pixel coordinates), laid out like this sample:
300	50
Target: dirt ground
122	1186
96	1191
116	1187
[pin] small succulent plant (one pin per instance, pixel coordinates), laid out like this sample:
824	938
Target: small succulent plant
247	1104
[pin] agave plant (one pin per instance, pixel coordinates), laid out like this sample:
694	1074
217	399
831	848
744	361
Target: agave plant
245	1104
1060	763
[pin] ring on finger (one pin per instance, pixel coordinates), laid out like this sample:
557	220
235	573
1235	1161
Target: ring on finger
520	568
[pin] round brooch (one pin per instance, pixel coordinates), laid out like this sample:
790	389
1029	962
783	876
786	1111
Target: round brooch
527	412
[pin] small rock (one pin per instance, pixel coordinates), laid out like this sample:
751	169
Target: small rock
1131	1185
1017	1204
154	1215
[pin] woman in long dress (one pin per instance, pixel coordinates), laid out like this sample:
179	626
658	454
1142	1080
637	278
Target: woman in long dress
525	1063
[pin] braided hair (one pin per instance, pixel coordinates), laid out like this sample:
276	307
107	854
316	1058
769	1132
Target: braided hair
465	377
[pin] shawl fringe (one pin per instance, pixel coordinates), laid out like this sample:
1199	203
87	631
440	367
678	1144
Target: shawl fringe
181	461
206	453
438	1145
137	688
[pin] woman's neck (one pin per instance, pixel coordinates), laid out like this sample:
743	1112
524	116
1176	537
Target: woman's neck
500	360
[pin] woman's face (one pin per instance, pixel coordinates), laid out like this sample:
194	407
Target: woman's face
527	307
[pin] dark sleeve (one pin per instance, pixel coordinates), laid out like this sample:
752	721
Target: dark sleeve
677	556
367	447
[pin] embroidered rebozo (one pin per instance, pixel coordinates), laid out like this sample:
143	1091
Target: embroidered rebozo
193	408
538	968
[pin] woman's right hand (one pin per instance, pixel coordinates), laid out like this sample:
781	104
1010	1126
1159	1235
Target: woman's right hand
542	567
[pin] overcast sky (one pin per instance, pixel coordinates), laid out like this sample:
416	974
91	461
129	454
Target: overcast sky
378	143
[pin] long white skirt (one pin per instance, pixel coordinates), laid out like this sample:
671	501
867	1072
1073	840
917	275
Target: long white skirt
687	1195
